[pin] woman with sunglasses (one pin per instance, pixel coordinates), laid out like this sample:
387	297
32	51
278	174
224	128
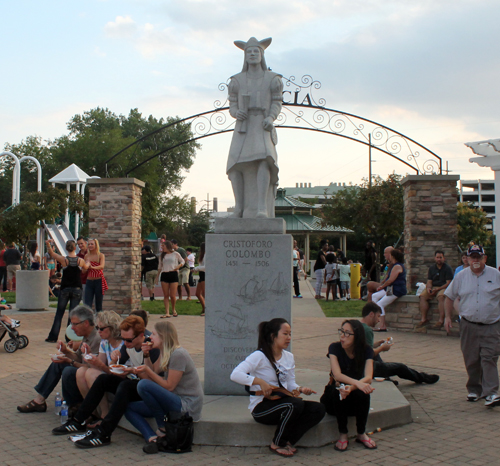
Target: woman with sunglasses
351	362
269	368
108	326
177	390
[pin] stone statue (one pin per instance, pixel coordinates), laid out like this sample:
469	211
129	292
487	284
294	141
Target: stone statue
255	97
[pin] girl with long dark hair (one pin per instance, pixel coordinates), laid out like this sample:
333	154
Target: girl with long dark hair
274	394
351	362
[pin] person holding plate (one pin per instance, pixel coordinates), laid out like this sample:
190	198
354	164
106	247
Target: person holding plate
122	382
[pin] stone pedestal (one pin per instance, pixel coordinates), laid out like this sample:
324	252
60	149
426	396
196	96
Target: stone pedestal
32	292
115	220
430	203
249	280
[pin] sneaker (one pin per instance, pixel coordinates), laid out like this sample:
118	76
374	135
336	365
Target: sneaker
298	296
94	439
492	400
14	324
71	426
472	397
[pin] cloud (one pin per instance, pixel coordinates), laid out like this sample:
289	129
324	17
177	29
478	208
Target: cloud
124	27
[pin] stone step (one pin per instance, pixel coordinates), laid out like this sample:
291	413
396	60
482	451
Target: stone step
227	421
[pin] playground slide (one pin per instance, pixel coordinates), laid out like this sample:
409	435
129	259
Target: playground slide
60	234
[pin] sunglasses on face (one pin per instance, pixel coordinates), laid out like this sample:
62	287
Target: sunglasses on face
101	328
129	340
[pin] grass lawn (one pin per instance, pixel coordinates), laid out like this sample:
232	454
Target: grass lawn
185	308
350	308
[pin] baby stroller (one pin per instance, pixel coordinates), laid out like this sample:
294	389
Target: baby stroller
15	341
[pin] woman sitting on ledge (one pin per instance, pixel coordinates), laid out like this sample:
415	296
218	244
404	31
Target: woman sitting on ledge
270	374
393	288
176	390
351	362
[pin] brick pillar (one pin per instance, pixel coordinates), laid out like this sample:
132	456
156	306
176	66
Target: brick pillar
430	203
115	214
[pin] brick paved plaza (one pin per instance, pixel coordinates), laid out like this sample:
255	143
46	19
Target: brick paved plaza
446	429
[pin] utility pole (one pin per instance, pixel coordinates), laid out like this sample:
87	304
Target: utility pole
370	160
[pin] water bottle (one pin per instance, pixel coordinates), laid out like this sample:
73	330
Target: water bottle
64	412
58	404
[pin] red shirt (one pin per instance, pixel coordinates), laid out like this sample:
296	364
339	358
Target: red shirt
2	262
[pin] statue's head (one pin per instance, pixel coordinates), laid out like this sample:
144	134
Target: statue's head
250	48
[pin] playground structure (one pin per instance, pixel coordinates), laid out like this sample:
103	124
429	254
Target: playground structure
71	175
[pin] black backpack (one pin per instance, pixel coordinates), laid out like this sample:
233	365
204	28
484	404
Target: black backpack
179	433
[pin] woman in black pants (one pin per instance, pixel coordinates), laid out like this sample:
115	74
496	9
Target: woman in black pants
351	362
269	370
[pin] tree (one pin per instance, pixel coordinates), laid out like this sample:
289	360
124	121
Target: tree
19	223
94	137
375	212
472	225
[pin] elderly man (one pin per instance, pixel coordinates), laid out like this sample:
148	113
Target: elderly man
478	288
439	277
65	367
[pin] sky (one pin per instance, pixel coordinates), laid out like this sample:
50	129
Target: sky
426	68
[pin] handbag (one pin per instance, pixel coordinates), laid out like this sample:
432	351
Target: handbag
277	392
179	432
328	395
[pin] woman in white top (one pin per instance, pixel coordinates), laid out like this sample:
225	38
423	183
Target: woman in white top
108	326
170	263
271	368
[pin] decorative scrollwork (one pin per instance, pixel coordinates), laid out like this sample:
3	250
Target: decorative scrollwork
214	122
308	84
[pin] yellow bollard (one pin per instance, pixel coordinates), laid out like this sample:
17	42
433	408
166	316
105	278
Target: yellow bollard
355	276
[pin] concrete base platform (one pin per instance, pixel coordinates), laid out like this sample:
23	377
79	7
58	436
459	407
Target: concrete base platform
227	421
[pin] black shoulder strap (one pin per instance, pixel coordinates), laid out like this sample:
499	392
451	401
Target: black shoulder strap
251	392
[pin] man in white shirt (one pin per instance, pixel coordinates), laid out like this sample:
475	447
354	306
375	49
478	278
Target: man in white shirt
478	288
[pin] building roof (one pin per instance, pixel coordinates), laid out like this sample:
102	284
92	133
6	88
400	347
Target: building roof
282	200
72	174
301	223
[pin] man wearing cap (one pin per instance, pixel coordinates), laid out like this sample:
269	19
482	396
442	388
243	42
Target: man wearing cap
439	277
478	288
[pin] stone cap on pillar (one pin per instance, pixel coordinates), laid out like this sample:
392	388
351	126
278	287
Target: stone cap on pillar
100	181
410	178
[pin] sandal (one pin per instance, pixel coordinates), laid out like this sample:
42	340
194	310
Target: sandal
291	447
281	451
342	442
175	315
165	316
33	407
369	444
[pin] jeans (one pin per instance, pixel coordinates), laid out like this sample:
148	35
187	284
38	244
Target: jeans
71	295
125	391
3	277
93	288
70	391
319	280
50	379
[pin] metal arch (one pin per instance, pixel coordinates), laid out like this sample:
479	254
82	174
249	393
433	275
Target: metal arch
323	120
